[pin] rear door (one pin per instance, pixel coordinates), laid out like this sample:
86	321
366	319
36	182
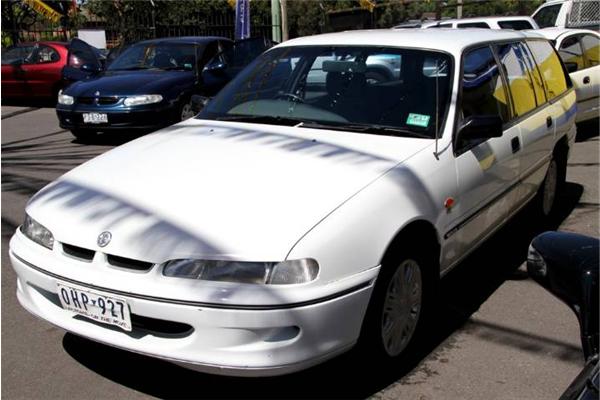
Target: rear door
81	55
533	115
561	110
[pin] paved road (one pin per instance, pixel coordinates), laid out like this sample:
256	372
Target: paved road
497	335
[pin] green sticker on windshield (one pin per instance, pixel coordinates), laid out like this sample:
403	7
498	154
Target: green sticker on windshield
418	120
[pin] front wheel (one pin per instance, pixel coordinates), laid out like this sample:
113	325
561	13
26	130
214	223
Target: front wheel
401	307
396	310
186	111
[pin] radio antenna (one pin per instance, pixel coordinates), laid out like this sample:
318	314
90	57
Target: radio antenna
437	76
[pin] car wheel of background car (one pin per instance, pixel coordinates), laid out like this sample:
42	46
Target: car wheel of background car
186	111
397	307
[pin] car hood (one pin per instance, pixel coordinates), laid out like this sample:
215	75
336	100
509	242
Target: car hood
115	83
214	189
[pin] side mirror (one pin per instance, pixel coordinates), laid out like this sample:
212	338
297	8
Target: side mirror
217	66
480	127
91	68
566	264
199	102
571	67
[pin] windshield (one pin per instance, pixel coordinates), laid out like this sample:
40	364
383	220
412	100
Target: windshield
164	56
360	88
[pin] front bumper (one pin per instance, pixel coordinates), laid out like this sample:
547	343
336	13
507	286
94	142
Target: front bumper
140	118
221	340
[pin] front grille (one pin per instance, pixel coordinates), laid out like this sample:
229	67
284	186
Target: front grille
78	252
128	263
100	100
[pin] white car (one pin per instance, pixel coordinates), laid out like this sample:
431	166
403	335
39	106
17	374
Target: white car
290	221
568	14
518	23
580	51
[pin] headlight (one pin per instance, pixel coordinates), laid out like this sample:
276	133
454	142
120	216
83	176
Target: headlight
536	266
143	99
281	273
37	232
65	99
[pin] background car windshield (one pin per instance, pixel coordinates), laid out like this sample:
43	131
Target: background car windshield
358	86
156	56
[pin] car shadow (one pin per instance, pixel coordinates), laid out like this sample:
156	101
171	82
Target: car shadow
351	375
110	138
587	130
43	102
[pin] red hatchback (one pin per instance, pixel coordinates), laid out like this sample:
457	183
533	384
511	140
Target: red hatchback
33	69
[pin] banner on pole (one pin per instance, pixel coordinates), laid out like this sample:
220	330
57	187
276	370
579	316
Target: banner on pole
242	19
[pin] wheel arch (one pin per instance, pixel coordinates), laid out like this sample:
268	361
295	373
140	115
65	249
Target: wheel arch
420	233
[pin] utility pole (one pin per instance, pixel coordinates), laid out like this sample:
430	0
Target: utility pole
276	20
284	21
459	10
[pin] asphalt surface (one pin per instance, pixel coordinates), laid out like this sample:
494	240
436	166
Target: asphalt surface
497	335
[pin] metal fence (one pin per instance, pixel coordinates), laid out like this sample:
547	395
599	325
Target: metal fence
147	26
144	26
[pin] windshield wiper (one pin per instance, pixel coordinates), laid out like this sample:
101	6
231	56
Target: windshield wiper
372	129
137	67
261	119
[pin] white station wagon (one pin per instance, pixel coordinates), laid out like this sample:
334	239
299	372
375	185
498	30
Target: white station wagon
296	217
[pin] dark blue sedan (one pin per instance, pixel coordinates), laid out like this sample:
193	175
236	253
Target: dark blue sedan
146	87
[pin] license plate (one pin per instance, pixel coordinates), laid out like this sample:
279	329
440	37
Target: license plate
95	118
96	306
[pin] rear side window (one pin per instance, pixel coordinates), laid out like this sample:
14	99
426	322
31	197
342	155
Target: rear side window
517	25
483	91
534	73
519	77
591	50
570	52
550	68
546	16
473	25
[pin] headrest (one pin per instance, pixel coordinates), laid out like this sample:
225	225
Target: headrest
344	66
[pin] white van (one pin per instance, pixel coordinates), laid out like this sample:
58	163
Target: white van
568	14
517	23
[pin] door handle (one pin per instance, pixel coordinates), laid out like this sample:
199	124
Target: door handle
549	122
515	144
586	80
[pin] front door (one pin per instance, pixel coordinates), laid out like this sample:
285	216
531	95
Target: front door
487	169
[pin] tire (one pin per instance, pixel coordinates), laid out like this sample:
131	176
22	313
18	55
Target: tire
395	316
550	189
186	110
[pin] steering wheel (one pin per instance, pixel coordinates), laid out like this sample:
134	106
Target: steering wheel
292	96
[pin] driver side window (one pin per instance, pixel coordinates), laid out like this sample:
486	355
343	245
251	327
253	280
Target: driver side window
483	91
